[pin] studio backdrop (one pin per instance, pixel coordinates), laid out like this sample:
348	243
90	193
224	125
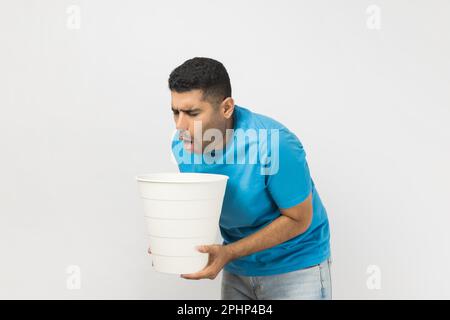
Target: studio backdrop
85	107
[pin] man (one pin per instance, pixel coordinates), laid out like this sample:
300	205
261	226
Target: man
274	225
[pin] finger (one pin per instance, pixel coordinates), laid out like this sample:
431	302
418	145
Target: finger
149	251
194	276
204	248
197	275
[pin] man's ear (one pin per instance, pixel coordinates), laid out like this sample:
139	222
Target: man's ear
227	106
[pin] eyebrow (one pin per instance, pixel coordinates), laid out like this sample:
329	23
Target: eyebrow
187	110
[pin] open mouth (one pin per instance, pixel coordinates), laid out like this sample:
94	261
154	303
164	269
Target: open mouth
187	143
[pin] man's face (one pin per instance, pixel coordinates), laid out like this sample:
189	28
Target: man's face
190	106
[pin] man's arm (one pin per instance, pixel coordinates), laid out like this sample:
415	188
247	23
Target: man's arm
292	222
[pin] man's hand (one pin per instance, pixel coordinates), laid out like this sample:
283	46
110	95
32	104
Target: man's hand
219	256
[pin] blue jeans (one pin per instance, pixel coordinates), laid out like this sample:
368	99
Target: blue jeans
309	283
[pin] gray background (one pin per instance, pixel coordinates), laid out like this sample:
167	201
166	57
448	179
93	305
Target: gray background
85	110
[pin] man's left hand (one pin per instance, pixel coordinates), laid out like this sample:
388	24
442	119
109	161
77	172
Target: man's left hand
218	257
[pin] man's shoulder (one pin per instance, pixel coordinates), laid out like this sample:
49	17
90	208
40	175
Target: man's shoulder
255	120
261	121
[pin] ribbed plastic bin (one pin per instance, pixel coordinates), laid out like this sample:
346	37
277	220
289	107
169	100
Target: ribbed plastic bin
182	211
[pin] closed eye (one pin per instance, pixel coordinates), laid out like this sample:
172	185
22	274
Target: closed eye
191	114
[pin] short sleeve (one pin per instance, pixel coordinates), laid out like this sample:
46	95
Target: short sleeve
291	183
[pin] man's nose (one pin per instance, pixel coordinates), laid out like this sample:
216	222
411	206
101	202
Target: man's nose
182	122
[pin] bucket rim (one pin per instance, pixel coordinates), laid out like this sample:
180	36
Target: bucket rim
160	177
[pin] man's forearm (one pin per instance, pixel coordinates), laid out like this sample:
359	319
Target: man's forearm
280	230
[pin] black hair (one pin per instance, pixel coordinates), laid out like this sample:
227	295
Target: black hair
206	74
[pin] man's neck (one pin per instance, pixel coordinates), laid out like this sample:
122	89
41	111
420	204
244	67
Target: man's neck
228	134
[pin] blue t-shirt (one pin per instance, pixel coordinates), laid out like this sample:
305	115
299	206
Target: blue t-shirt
267	170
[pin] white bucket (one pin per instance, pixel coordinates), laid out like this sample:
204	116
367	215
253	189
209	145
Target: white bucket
182	211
